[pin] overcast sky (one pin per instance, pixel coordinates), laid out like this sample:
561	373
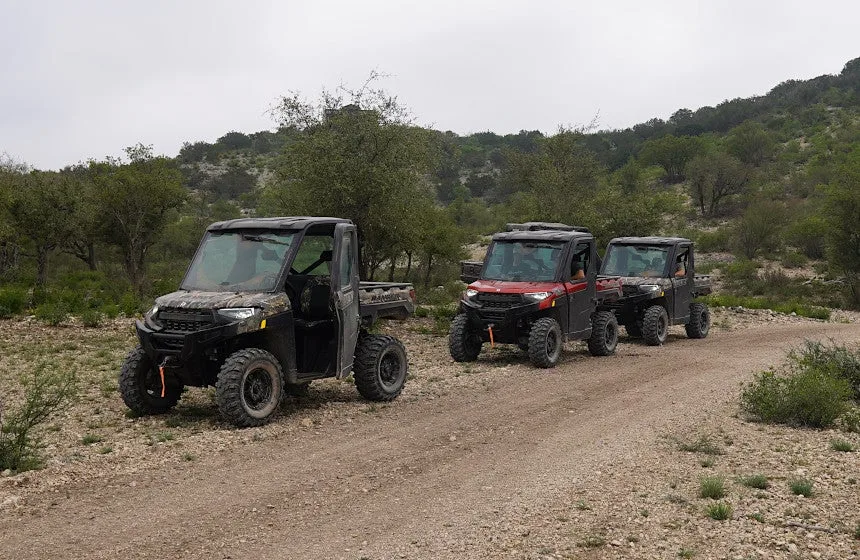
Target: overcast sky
83	79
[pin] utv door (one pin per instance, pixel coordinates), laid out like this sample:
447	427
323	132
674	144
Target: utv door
581	292
682	286
344	284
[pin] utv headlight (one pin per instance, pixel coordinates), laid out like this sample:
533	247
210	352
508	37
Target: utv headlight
149	318
470	293
649	288
538	296
238	313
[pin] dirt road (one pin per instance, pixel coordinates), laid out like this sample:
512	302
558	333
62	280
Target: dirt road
466	474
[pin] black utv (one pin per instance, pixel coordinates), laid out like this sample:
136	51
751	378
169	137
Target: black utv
266	306
659	285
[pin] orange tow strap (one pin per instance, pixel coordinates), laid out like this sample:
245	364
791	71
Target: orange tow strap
492	342
161	372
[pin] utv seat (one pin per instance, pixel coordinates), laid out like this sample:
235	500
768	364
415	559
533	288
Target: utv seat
314	304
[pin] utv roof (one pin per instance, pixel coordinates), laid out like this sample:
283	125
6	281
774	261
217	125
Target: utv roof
542	235
283	223
542	226
649	240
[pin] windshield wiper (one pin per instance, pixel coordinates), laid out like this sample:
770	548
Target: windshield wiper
262	239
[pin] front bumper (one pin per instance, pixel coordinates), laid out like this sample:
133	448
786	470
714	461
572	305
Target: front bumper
498	317
182	346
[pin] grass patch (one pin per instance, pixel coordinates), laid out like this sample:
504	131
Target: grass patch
702	445
686	553
756	302
90	439
801	487
719	511
707	463
757	517
593	541
106	449
759	481
712	487
842	445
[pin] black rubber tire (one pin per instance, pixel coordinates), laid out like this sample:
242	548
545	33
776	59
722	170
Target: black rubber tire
700	321
380	367
634	330
140	385
655	325
604	334
545	342
464	344
249	388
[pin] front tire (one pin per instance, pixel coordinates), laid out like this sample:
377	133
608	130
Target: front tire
604	334
250	387
655	325
380	367
700	321
464	343
545	343
140	385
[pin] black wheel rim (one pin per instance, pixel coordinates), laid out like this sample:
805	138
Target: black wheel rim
611	335
390	370
551	343
257	389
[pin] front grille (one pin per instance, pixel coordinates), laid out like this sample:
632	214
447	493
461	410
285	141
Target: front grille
629	290
175	319
491	301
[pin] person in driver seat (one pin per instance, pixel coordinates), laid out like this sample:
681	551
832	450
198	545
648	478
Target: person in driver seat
576	271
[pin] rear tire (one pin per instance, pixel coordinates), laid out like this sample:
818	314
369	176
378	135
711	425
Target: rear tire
249	388
655	325
464	343
604	334
140	386
700	321
380	367
545	343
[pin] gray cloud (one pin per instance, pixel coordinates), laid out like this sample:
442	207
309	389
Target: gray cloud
84	79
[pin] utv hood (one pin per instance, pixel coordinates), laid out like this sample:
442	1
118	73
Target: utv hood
183	299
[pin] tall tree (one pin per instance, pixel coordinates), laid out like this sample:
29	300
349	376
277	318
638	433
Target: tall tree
843	213
357	156
671	153
714	178
135	197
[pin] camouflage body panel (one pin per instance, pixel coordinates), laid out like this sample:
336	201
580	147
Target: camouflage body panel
270	304
385	300
630	284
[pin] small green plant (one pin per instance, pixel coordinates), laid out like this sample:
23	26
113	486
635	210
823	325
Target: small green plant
90	439
759	481
422	312
756	516
189	457
644	512
720	511
53	314
801	487
707	463
686	553
106	449
582	506
593	541
712	487
47	389
857	532
703	444
92	318
850	420
163	437
842	445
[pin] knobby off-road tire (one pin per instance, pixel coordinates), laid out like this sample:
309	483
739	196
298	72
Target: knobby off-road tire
140	385
380	367
634	330
250	387
545	342
463	342
700	321
655	325
604	334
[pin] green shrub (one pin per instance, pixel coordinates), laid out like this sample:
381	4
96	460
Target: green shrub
842	445
130	305
52	313
719	240
92	318
834	360
111	310
441	295
13	301
712	487
801	487
422	311
802	398
47	390
850	420
800	309
793	259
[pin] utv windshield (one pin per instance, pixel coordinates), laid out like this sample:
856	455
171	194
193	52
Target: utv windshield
523	261
239	261
636	260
